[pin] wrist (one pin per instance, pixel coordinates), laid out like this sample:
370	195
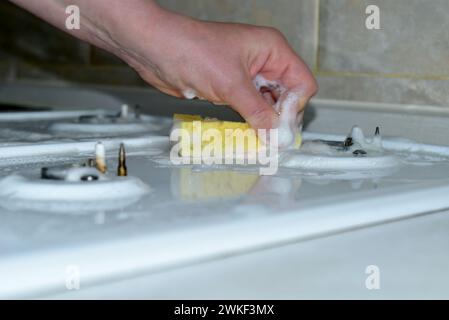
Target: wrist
147	33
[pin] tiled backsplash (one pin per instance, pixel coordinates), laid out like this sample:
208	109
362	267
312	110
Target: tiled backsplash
405	61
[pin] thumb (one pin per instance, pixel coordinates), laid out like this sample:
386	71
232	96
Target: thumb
252	106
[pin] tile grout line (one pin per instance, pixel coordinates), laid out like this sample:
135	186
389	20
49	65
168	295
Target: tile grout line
351	74
316	67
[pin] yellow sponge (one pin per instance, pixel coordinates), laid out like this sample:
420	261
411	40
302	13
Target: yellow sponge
228	130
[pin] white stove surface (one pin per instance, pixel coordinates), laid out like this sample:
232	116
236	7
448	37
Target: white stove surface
191	214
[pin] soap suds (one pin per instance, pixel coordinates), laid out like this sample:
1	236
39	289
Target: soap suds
289	120
360	154
189	94
286	106
327	163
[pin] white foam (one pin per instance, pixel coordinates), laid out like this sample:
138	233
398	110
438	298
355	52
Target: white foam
286	106
189	94
391	144
318	155
329	163
259	81
288	119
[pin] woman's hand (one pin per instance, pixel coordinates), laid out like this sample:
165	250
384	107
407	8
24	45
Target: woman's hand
185	57
218	62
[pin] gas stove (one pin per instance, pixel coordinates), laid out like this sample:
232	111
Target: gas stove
89	185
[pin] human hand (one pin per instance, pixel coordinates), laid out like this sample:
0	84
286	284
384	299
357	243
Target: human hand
218	62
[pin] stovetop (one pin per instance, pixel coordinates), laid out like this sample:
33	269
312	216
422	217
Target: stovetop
163	216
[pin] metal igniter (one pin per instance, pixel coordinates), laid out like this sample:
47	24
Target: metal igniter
122	171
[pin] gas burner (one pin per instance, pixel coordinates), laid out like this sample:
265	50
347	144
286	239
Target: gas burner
123	122
81	192
354	153
74	188
19	135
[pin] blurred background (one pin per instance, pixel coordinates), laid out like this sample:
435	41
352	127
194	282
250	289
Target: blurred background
406	61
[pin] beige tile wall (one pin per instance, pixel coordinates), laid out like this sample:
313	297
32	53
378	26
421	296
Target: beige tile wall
406	61
296	19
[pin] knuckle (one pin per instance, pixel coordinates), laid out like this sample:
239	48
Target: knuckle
276	34
270	34
229	86
309	85
273	31
313	87
227	92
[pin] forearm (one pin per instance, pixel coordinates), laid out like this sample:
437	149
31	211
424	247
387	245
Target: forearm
113	25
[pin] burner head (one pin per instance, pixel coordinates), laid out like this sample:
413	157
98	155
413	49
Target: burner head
123	116
71	173
359	153
89	177
100	119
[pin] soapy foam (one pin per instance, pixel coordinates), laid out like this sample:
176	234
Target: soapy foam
189	94
318	155
259	82
288	118
286	106
391	144
325	162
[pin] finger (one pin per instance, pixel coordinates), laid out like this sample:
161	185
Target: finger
299	78
269	98
171	92
252	106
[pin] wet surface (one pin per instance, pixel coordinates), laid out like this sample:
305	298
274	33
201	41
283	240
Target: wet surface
200	195
189	198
